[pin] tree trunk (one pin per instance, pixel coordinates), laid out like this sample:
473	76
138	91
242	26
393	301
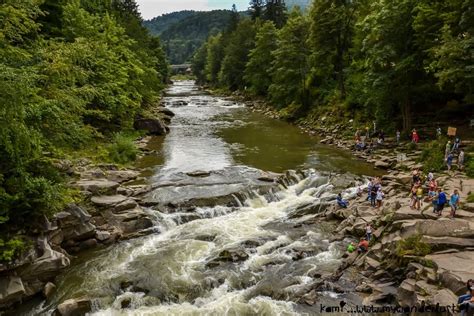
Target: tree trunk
406	114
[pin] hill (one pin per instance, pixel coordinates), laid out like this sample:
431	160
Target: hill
303	4
183	32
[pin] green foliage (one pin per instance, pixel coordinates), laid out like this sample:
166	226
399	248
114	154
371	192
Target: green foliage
123	150
432	156
70	73
470	198
184	32
291	63
215	55
11	249
257	70
241	41
412	246
469	167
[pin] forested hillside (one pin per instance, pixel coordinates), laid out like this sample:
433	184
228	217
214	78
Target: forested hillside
365	59
73	73
183	32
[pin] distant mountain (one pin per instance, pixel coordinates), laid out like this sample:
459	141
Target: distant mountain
182	33
303	4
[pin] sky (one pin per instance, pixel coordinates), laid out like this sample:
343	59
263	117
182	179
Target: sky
152	8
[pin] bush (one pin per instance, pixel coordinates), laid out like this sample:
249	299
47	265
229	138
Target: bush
469	167
412	246
432	156
11	249
122	150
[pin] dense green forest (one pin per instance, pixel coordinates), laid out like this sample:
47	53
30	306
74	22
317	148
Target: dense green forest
364	59
73	73
182	33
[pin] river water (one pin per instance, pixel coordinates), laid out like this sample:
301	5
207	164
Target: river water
245	258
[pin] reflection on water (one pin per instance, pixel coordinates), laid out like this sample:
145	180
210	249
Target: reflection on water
211	133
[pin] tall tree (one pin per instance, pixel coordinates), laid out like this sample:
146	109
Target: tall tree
239	44
257	70
256	9
332	24
395	74
275	11
215	54
291	63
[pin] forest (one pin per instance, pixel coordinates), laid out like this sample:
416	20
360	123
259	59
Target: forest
399	63
74	75
183	32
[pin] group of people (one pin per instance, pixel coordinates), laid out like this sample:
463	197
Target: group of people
435	195
452	150
366	142
375	192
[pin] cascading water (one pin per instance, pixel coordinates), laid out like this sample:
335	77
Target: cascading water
246	256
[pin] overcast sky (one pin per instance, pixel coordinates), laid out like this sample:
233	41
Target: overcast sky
153	8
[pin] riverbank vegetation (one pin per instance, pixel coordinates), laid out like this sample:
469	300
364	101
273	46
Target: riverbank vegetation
400	63
72	74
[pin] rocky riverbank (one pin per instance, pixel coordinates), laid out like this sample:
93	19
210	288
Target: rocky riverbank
416	258
110	210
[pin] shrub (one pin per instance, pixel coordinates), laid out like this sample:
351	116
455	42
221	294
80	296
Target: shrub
11	249
122	150
469	167
412	246
432	156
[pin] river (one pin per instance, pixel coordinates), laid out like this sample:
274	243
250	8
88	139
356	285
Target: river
247	257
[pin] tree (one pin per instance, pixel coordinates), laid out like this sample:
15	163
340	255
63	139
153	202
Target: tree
291	63
257	70
199	63
275	11
332	24
240	42
395	76
215	54
256	9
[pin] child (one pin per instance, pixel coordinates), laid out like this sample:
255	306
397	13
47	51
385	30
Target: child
454	202
461	160
368	232
379	198
419	197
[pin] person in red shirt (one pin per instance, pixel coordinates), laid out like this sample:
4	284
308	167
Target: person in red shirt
363	245
415	138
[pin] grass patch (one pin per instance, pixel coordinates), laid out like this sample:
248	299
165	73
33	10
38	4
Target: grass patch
432	156
122	150
412	246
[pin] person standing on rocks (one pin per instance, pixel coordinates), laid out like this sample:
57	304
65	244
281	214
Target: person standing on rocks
461	160
415	138
368	232
441	201
419	196
447	150
449	160
379	197
467	306
398	137
457	143
373	194
454	202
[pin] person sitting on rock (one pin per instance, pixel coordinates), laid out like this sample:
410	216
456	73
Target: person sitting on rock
363	245
342	203
467	296
467	306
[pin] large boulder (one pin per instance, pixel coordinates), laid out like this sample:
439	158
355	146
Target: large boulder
74	223
74	307
152	126
99	186
108	200
11	289
121	176
438	228
454	269
46	266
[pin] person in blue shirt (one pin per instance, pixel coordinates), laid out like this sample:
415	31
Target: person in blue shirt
454	202
342	203
441	201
